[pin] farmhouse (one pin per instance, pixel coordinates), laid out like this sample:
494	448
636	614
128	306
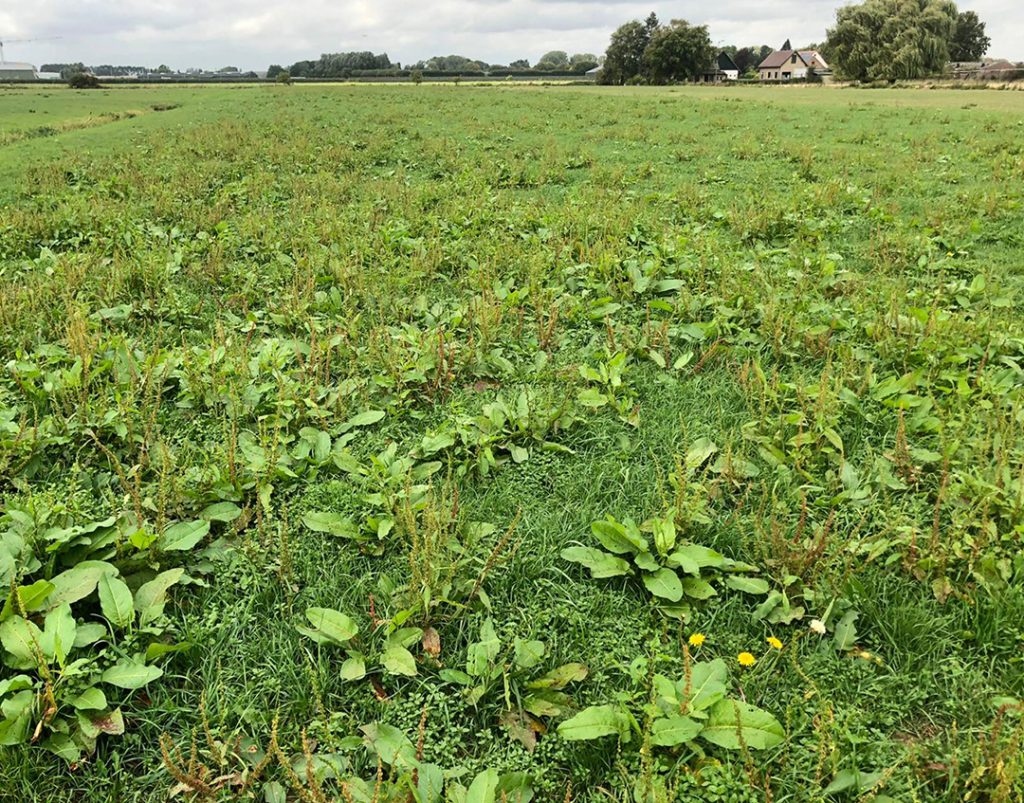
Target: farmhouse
788	65
723	68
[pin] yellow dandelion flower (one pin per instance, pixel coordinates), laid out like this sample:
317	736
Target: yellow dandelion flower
774	642
746	659
697	639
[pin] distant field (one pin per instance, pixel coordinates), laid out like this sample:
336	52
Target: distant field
484	443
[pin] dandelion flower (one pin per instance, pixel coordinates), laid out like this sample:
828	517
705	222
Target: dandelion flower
817	626
774	642
746	659
697	639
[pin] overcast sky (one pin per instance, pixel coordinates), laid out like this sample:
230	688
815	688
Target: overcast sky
252	34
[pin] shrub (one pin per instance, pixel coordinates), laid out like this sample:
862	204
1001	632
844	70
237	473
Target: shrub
83	80
284	77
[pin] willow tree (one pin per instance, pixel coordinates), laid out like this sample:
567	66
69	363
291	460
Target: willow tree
890	39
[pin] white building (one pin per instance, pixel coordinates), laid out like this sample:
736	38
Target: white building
17	71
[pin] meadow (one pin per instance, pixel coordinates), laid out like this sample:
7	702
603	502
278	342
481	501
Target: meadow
498	443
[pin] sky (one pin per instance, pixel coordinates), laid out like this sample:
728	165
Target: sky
252	34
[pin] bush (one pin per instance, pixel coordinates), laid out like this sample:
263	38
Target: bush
416	76
284	77
83	80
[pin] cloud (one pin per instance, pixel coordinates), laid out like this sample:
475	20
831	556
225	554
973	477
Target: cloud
254	33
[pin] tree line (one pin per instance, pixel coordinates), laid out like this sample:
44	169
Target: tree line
347	64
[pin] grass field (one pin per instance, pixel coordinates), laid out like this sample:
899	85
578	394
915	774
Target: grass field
487	443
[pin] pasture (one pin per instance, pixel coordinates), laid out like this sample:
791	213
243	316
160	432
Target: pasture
484	443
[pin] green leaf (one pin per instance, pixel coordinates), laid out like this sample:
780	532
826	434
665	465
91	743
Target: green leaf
748	585
853	781
708	684
399	661
691	558
159	649
845	636
59	633
333	625
17	712
729	719
483	788
664	534
698	454
601	564
332	523
78	582
17	683
62	746
664	583
22	641
697	588
354	667
364	419
89	633
31	598
130	674
674	730
435	443
274	792
92	699
116	601
429	783
594	722
591	397
527	654
183	535
225	512
150	597
390	744
617	538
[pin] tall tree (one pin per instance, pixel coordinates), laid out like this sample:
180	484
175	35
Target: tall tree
553	60
969	40
677	52
625	55
890	39
786	45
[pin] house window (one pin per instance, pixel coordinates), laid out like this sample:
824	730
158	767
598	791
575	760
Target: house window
792	59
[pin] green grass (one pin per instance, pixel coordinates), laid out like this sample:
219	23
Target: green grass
184	293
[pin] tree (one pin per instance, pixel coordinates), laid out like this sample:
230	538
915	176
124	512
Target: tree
747	58
284	77
624	58
891	39
969	40
553	60
581	62
519	64
677	52
416	76
274	70
786	45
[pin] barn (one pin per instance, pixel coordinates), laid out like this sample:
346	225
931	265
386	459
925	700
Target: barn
17	71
